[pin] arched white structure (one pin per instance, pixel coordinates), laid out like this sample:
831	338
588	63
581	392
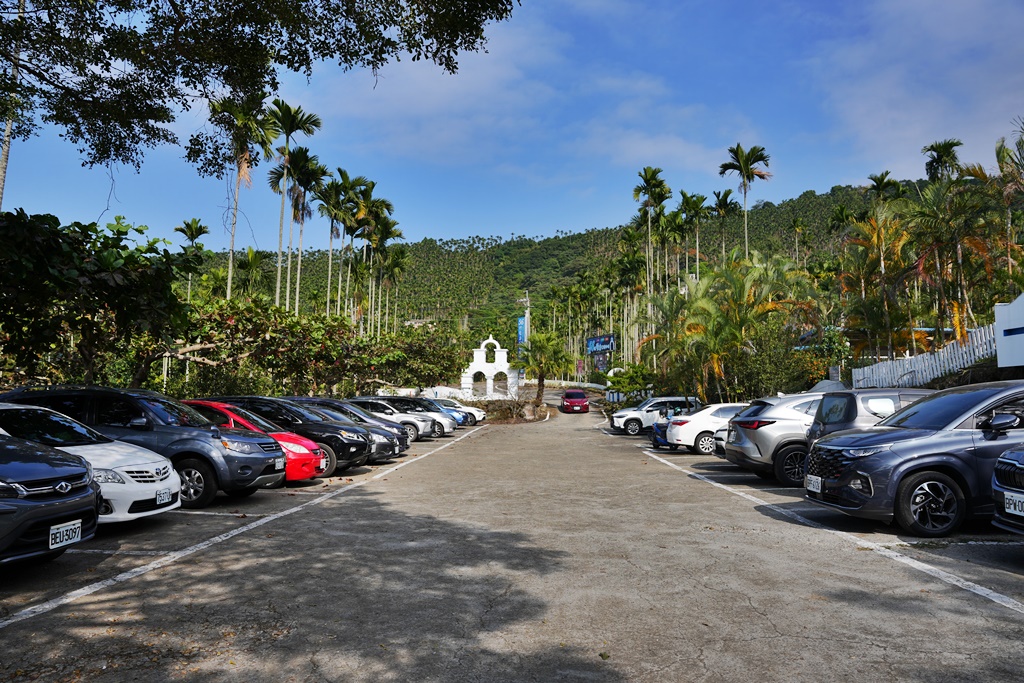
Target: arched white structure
490	369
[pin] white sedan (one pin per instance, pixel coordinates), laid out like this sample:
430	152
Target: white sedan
696	430
134	481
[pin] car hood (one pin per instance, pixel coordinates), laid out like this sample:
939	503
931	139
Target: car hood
872	436
116	454
21	461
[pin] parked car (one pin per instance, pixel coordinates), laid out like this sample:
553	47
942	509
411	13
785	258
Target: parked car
417	424
443	422
345	446
303	459
473	414
48	501
134	481
431	405
383	443
208	459
1008	490
769	437
696	430
575	401
929	466
634	420
855	408
360	417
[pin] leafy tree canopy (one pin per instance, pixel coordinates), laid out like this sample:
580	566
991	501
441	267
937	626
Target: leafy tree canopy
112	74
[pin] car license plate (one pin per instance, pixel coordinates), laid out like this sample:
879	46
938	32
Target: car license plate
163	496
278	463
323	463
65	534
575	407
1013	503
812	483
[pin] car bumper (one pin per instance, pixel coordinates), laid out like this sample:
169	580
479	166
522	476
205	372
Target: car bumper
132	500
247	471
738	456
1004	518
299	467
25	524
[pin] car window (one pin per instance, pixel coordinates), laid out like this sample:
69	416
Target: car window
116	411
212	414
174	413
257	421
754	409
938	410
808	407
727	411
881	406
75	407
1014	406
49	429
833	409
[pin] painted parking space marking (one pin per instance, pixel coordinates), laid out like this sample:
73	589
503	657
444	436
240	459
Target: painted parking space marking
882	550
174	556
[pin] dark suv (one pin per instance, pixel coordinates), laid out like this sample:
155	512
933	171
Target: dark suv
928	466
206	457
344	445
48	501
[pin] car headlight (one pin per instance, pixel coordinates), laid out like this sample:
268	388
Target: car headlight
349	434
295	448
241	446
864	452
102	476
379	438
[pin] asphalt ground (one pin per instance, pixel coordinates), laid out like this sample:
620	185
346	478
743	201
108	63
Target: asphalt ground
554	551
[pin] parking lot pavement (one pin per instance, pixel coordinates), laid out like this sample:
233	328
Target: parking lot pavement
537	552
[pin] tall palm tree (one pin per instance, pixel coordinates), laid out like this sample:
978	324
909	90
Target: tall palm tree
331	207
351	190
655	192
192	229
696	211
251	130
745	164
290	122
724	207
544	356
1011	181
308	175
943	162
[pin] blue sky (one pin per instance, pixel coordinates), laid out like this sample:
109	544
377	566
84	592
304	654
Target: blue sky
547	130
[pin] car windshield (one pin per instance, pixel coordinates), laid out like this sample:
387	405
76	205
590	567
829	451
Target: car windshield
174	413
260	423
575	394
938	410
49	429
332	414
357	413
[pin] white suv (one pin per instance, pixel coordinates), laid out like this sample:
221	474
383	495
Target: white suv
641	417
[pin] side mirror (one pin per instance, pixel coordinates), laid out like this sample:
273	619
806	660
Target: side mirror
139	423
1002	422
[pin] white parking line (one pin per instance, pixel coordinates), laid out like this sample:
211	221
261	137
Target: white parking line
935	572
174	556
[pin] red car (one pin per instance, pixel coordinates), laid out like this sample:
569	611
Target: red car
575	401
303	458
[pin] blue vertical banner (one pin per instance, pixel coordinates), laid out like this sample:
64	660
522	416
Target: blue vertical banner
521	338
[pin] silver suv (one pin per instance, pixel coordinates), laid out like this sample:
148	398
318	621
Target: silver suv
770	436
638	418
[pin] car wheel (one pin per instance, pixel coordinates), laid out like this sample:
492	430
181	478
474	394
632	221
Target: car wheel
332	461
438	429
930	504
789	465
704	443
198	483
471	419
242	493
412	431
632	427
673	447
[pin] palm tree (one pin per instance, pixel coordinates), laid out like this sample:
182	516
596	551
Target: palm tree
655	192
544	355
250	265
290	121
942	162
308	175
1011	180
332	207
724	207
248	125
744	163
192	229
696	211
351	189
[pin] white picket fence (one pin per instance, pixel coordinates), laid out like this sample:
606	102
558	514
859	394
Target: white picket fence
921	369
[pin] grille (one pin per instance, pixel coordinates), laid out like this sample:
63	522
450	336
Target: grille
45	489
270	447
1009	475
149	504
827	463
150	476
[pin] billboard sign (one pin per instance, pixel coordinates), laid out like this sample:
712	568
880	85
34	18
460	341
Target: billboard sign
600	344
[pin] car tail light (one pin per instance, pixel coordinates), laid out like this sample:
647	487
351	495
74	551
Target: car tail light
753	424
679	423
